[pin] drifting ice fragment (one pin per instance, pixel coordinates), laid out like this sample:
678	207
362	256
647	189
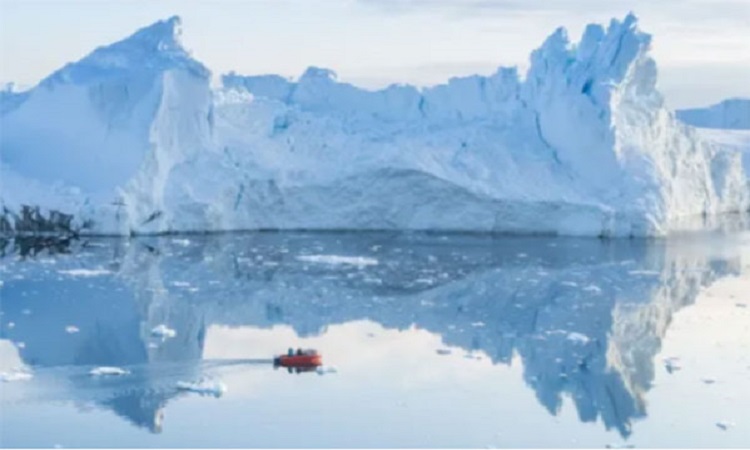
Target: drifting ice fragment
163	331
85	272
671	364
359	261
15	375
108	371
578	337
71	329
723	425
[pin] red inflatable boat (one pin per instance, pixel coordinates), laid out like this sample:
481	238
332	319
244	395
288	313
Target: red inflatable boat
300	359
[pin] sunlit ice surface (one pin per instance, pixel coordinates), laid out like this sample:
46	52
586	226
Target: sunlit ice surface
426	340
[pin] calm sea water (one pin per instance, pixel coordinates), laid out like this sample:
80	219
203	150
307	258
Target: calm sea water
427	340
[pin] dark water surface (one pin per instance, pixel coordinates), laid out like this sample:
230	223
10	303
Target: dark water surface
435	340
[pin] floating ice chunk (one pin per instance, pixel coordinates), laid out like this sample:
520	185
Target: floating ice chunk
21	345
203	387
11	325
15	375
477	324
569	283
359	261
26	312
163	331
85	272
180	284
724	425
644	272
443	351
593	288
672	364
578	337
181	242
323	370
108	371
71	329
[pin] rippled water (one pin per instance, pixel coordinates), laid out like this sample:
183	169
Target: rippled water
427	340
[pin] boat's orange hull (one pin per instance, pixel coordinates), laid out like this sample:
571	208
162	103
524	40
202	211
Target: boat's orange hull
298	361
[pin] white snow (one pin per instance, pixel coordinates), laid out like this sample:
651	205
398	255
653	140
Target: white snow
108	371
85	273
203	387
71	329
360	261
133	139
163	331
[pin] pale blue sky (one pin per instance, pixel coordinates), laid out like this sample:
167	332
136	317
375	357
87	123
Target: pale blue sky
702	46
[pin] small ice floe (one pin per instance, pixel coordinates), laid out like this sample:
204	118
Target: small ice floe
21	345
336	260
522	255
15	375
672	364
643	273
324	370
724	425
71	329
86	273
578	337
181	242
26	312
180	284
11	325
569	283
203	387
443	351
163	331
106	371
477	324
593	288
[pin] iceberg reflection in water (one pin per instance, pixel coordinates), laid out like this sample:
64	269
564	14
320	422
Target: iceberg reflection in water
415	324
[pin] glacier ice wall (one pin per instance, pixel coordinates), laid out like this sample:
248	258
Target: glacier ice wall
131	139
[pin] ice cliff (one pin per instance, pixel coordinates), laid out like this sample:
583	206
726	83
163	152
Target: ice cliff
131	139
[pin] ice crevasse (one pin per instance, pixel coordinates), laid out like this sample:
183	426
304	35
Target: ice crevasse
133	139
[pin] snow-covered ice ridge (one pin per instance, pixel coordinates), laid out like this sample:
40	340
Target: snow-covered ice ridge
132	139
730	114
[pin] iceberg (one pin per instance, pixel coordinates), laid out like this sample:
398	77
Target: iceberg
730	114
132	139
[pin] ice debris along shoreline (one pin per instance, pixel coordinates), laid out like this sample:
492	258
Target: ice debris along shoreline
582	144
